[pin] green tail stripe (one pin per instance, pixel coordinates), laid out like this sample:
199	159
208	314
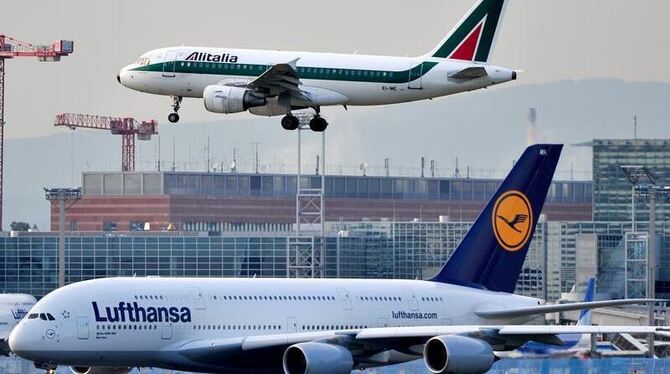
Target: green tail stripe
490	8
303	72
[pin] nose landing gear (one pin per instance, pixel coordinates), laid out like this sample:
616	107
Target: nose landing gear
174	117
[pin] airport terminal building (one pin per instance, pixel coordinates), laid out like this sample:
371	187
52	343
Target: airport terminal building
242	225
154	201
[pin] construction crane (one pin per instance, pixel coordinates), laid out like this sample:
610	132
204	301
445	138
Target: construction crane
11	48
127	127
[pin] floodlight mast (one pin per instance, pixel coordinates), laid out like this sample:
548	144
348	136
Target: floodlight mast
63	198
644	184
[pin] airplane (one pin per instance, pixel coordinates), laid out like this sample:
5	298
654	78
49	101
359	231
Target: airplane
13	307
573	344
455	320
272	83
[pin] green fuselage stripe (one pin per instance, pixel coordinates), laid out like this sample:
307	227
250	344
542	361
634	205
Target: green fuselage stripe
303	72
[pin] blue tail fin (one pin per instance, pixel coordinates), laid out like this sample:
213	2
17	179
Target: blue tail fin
493	251
585	315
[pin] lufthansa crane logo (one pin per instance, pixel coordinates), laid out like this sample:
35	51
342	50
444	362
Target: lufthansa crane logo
512	220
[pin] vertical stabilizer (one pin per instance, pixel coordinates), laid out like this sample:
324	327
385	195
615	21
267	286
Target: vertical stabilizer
474	36
491	254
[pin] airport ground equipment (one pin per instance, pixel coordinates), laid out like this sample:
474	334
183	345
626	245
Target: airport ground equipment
127	127
11	48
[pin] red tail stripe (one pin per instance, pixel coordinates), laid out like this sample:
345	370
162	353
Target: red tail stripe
466	51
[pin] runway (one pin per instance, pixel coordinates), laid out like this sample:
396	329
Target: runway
14	365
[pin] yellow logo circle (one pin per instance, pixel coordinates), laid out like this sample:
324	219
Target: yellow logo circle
512	220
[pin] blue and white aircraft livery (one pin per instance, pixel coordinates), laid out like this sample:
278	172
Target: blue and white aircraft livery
455	320
271	83
13	307
573	344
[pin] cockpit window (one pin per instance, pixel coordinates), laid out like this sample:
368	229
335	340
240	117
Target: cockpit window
43	316
50	317
32	316
143	61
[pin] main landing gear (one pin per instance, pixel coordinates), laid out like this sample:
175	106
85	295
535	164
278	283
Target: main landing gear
316	124
174	117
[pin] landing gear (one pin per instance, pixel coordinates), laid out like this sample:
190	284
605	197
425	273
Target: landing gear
290	122
318	124
174	117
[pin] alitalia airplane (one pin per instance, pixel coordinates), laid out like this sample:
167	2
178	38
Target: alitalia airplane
271	83
455	320
13	307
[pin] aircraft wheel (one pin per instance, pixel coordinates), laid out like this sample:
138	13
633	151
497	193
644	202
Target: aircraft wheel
173	117
318	124
289	122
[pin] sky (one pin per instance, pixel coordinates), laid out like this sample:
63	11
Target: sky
551	41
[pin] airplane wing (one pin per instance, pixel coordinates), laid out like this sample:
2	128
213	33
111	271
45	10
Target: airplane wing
278	79
552	308
472	72
407	339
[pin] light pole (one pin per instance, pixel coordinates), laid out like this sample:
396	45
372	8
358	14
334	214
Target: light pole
652	191
64	198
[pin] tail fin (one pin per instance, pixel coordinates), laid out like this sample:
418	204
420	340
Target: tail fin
473	37
585	315
492	253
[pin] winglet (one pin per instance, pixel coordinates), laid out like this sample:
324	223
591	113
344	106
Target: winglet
293	63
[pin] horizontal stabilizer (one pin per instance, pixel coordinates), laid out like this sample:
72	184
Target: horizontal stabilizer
472	72
544	309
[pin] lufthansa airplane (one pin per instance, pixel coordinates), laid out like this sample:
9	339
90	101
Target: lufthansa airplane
13	307
271	83
455	320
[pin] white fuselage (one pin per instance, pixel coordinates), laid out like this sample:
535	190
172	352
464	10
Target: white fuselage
329	78
92	329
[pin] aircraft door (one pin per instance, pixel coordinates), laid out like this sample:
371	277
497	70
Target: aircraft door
345	298
170	64
198	298
166	334
415	77
82	328
412	301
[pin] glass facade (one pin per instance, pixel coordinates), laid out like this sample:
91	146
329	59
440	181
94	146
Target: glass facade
282	185
612	189
381	249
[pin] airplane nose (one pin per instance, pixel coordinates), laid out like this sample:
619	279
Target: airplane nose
17	341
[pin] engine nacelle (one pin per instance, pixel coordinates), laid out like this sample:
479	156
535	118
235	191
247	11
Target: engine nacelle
457	354
98	370
228	99
321	358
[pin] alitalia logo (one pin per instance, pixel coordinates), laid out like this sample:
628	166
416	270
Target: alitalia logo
202	56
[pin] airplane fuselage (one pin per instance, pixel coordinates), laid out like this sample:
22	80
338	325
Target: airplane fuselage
146	321
328	78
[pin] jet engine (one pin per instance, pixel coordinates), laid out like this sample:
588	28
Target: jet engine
98	370
321	358
228	99
457	354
